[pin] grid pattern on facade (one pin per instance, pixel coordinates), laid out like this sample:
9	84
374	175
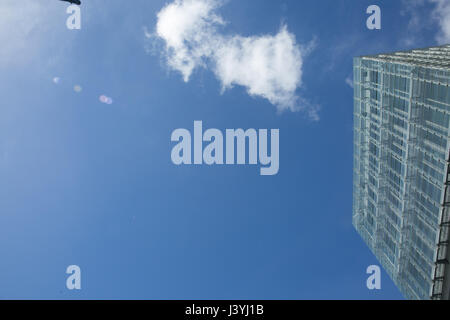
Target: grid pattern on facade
401	163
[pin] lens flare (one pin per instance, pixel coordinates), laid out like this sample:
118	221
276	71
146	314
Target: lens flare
77	88
105	99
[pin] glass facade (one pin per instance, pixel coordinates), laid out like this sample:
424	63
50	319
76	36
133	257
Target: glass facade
401	205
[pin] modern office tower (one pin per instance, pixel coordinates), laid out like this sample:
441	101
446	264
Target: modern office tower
401	195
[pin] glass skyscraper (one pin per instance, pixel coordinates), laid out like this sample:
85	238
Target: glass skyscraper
401	195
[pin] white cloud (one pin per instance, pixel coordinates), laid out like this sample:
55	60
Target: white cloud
188	28
268	66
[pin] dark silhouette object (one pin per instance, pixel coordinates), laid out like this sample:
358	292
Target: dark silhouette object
78	2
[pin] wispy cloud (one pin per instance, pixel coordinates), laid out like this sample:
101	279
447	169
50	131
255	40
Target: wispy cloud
423	17
25	28
349	81
268	66
441	14
17	22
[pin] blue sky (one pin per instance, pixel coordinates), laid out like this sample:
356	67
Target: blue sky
92	184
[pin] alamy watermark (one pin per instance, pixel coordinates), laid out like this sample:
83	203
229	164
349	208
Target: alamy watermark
374	280
374	20
236	147
73	281
73	22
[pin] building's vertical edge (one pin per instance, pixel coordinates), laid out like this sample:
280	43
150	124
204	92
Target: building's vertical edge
445	218
356	219
355	147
